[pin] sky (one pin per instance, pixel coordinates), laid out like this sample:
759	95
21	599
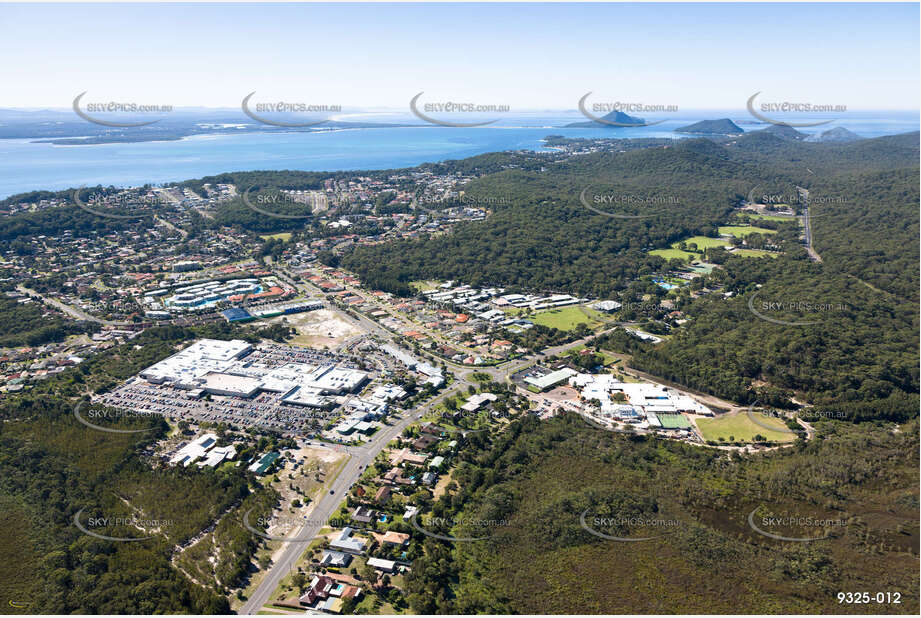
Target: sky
527	56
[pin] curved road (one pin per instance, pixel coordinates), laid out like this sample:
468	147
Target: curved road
73	312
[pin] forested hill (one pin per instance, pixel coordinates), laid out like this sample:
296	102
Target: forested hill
545	238
859	356
53	469
537	480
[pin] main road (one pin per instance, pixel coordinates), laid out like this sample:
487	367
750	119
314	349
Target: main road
807	226
77	314
359	458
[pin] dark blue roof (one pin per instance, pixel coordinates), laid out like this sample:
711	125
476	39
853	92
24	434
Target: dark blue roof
236	314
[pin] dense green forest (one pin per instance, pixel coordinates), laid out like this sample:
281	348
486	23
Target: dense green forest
53	467
534	480
545	238
24	324
858	351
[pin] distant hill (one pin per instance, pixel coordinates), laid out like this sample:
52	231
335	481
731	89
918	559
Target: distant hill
723	126
838	135
784	132
618	117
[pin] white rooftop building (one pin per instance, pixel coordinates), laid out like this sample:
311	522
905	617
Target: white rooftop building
194	450
551	379
650	399
347	543
184	368
218	455
229	384
477	401
220	368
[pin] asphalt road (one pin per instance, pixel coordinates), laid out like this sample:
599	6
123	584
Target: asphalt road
359	458
73	312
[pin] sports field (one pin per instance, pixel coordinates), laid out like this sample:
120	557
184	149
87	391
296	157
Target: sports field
739	427
674	421
755	253
703	242
772	217
284	236
567	318
670	254
741	231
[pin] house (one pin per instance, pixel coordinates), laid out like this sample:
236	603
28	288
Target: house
424	442
405	455
437	461
394	476
387	566
382	495
319	589
477	401
336	559
345	542
363	515
431	428
429	478
400	539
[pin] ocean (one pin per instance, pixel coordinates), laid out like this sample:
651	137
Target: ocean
27	166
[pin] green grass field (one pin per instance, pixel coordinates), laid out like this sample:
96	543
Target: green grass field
424	286
771	217
674	421
741	231
703	242
739	428
670	254
285	236
567	318
755	253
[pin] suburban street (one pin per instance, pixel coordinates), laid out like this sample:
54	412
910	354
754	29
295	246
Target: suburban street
73	312
359	458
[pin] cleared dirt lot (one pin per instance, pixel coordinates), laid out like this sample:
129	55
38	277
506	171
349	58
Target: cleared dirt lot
321	329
